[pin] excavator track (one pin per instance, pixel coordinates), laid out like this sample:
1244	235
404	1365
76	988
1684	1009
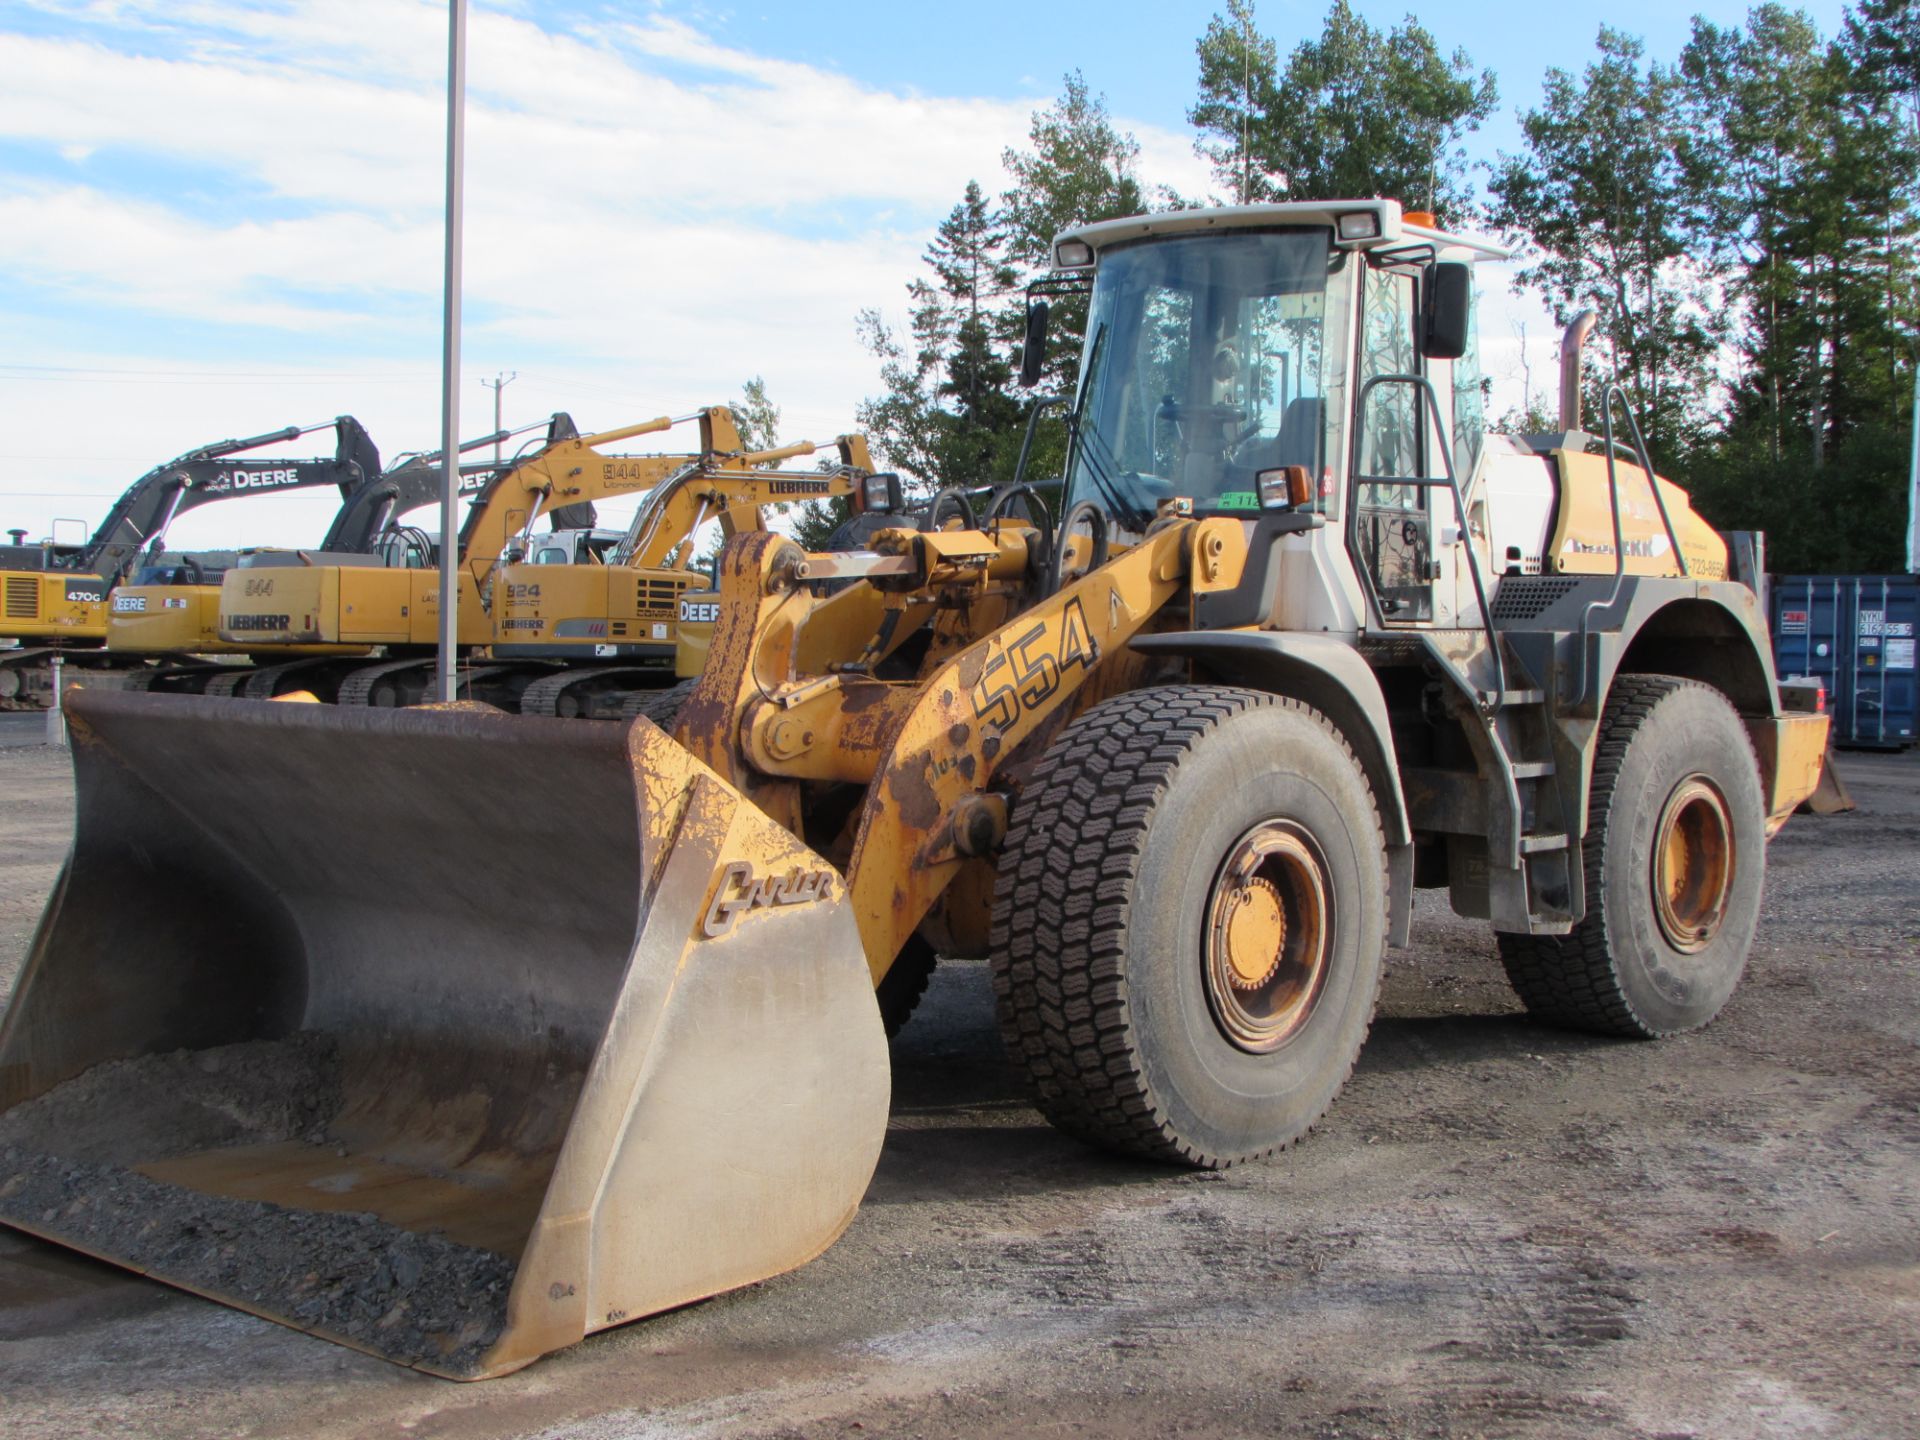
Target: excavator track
17	690
357	688
548	694
263	683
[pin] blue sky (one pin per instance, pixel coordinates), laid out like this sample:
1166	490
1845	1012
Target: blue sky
220	218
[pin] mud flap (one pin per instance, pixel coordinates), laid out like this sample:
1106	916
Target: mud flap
540	1003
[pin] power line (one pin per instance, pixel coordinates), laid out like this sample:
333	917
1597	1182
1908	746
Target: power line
201	374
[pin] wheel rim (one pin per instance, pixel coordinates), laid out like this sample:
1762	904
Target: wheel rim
1269	932
1693	864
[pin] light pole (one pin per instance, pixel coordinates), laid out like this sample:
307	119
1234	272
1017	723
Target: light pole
450	355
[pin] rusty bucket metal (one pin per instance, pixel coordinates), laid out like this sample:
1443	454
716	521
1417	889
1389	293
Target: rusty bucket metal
453	1036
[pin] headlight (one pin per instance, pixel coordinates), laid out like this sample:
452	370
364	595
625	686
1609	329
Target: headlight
1072	255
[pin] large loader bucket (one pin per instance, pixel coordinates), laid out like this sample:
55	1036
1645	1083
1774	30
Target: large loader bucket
452	1036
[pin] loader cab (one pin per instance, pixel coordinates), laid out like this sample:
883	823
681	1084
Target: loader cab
1303	360
1207	365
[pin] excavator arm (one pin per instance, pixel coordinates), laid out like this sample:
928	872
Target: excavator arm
569	472
736	497
370	508
209	474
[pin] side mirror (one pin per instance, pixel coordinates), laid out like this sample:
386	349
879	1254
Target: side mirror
1034	357
1448	304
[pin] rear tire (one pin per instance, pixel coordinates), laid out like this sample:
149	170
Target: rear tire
1188	924
1675	860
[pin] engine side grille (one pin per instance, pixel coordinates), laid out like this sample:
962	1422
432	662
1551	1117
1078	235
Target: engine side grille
1522	597
23	597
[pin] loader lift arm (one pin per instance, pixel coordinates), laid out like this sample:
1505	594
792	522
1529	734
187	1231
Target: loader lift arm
928	750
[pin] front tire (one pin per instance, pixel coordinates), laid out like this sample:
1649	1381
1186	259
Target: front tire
1675	860
1188	925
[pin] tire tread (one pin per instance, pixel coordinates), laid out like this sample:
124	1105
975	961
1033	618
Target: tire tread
1572	980
1063	901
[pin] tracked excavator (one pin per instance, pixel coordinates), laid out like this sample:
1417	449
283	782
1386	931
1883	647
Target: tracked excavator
612	631
397	607
168	610
473	1079
56	597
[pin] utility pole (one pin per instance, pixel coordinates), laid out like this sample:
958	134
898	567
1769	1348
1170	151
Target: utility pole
1913	478
446	686
497	384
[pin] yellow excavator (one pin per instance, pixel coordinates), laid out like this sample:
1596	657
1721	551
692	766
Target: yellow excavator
168	609
612	631
408	1062
396	606
56	598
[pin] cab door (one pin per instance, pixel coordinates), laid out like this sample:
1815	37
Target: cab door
1392	527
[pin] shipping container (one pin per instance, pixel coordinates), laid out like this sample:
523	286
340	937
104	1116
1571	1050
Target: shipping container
1856	632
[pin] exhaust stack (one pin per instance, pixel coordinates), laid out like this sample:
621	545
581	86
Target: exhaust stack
1572	340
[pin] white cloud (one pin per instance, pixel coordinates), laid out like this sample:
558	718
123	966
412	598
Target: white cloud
653	217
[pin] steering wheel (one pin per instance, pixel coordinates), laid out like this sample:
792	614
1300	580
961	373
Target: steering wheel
1172	409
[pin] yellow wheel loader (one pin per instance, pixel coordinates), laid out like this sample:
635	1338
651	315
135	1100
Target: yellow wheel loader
324	1021
611	631
55	598
391	600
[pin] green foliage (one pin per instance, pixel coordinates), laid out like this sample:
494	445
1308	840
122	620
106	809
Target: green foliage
1598	202
1744	222
1355	113
756	417
951	412
1803	171
815	522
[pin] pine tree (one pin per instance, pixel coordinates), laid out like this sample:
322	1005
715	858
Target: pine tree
951	413
1806	186
1601	204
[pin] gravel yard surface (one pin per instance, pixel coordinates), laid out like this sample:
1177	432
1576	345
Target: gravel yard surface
1499	1230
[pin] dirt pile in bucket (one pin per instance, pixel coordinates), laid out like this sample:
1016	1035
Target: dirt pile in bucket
65	1171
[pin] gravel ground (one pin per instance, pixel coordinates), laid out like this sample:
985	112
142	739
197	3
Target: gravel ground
1500	1230
65	1170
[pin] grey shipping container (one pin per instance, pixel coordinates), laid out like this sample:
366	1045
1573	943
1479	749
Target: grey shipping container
1856	632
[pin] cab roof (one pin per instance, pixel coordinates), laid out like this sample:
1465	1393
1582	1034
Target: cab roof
1393	227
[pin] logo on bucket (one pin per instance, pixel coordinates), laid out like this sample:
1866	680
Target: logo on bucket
739	890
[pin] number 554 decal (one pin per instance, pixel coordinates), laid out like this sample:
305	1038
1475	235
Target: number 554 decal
1028	669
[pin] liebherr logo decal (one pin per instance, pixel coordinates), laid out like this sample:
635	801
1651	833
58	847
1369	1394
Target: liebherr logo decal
739	891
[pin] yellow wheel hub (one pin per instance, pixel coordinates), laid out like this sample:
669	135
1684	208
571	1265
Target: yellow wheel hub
1268	937
1693	864
1256	929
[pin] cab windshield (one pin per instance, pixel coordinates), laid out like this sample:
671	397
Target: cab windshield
1206	364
